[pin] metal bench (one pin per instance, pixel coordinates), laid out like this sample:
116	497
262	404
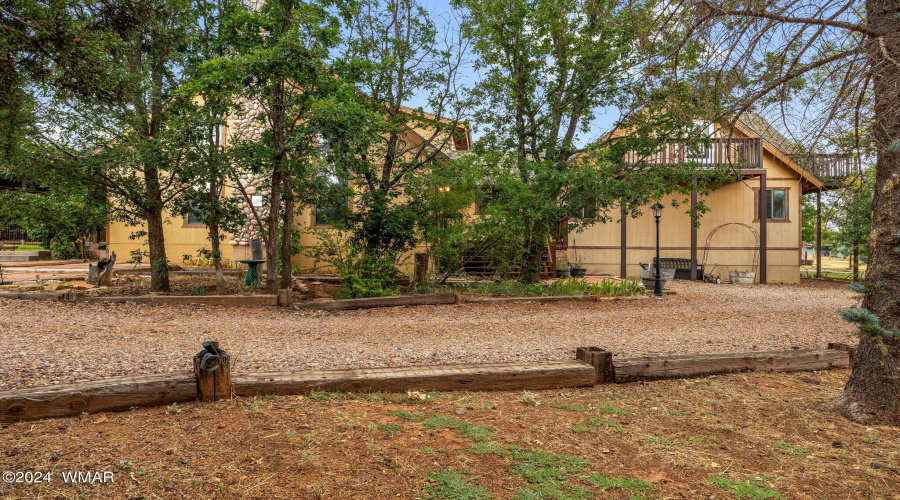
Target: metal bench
682	267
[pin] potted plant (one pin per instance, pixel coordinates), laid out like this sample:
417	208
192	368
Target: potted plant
562	269
578	270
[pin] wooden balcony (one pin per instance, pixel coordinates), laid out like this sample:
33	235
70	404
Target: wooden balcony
832	169
738	153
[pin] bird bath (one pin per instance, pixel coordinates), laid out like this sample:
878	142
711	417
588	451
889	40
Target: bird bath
253	263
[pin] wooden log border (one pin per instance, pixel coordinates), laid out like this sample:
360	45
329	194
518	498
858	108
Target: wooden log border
592	366
330	305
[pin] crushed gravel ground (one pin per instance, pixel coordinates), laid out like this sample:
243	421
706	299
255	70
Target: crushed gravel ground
54	342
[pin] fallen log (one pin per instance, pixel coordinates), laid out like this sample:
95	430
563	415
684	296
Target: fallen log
399	300
461	377
695	365
219	300
113	394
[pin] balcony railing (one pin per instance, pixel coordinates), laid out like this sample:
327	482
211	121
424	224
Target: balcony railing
830	168
738	153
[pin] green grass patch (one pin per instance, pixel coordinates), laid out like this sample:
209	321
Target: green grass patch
754	488
613	426
609	410
471	431
547	475
483	448
391	429
790	449
447	484
574	407
676	412
581	429
328	395
28	248
408	415
625	483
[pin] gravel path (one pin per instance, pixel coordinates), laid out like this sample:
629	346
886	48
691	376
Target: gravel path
49	342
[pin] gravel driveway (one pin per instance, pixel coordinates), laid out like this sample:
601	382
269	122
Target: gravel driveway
51	342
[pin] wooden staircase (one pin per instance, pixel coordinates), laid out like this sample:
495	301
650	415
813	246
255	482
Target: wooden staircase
476	264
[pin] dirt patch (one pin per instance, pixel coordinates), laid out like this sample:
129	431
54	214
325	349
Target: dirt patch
672	439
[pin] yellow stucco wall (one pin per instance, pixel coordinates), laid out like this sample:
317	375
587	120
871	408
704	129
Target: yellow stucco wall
732	248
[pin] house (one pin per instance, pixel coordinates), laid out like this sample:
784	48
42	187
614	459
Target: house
731	236
185	235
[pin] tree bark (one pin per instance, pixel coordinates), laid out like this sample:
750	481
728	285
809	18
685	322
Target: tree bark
872	394
287	225
277	106
159	264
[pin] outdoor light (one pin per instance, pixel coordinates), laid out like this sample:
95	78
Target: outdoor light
657	283
444	189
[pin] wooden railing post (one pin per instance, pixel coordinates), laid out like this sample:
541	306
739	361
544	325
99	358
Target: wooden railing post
212	367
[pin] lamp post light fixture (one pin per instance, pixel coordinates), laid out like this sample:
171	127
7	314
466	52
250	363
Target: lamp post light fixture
657	283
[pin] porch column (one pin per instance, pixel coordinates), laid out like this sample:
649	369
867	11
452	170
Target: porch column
763	219
623	257
819	233
694	233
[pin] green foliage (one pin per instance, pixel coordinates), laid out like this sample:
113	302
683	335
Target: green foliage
408	415
362	274
471	431
754	488
625	483
547	475
869	324
568	286
447	484
542	87
391	429
790	449
63	219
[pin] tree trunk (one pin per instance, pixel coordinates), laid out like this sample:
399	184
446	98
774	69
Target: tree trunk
276	111
287	225
216	245
872	394
855	262
159	264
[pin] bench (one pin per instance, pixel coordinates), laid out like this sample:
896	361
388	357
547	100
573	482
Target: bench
682	267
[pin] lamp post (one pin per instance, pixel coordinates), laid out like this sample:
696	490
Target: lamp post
657	283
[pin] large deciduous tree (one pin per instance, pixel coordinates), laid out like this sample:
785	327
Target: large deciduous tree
548	68
279	61
839	62
402	120
97	79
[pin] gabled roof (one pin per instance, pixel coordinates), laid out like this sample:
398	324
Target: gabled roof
773	134
762	128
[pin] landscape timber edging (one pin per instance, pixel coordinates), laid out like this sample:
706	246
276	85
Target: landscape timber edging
592	366
548	299
372	302
218	300
698	365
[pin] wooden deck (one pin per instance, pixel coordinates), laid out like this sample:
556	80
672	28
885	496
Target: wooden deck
736	152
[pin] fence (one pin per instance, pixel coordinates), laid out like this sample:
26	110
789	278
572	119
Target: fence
13	234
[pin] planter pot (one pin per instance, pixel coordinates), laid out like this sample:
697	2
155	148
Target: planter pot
579	272
563	273
648	277
742	277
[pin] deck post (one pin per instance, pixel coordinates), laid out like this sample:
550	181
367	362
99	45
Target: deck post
819	233
763	219
694	232
623	257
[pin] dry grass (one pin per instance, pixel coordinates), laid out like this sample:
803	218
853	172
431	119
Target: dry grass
755	434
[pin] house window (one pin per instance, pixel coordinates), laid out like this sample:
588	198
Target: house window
195	218
700	151
330	213
776	204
